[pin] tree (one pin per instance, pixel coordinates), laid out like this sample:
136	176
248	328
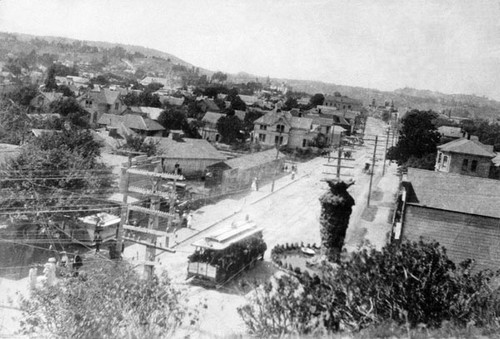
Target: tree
14	121
106	300
317	99
138	143
173	118
219	77
50	82
290	103
229	127
23	95
336	209
65	90
71	111
57	170
418	137
403	284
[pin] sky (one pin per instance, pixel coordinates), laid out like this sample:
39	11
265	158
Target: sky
451	46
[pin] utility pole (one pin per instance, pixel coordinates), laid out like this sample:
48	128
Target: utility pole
278	144
124	187
339	158
385	153
339	161
373	170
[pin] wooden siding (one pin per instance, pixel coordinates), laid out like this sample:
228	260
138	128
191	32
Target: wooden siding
463	235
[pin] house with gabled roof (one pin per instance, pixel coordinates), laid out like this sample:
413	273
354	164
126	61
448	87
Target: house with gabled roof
136	123
152	113
207	105
281	127
237	173
44	99
465	156
209	129
156	80
250	100
192	155
102	101
460	212
343	103
450	133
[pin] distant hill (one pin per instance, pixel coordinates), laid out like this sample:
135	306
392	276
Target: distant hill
130	61
460	105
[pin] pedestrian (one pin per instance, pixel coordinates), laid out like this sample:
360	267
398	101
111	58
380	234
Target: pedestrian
184	219
254	184
77	263
32	277
98	241
64	259
190	220
293	172
257	184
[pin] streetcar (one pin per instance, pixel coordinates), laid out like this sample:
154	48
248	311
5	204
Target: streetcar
222	256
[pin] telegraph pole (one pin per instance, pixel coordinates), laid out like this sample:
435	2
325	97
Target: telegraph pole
124	186
373	170
278	144
385	153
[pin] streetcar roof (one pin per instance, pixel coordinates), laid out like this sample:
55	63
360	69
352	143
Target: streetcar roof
228	236
104	219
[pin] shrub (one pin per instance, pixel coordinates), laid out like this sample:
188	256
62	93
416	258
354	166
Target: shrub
108	300
412	283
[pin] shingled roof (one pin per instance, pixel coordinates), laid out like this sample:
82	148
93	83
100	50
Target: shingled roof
132	121
187	149
455	192
212	117
466	146
254	159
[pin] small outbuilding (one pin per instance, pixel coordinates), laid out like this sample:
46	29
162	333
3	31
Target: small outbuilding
238	173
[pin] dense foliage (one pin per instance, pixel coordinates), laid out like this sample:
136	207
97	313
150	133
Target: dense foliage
108	300
418	137
230	128
56	170
410	283
138	143
336	208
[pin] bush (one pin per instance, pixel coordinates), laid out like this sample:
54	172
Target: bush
109	301
412	283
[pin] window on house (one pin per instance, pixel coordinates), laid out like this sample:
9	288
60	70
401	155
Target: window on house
440	156
263	127
304	142
88	103
262	137
473	166
278	140
327	129
349	106
280	128
445	160
465	164
117	106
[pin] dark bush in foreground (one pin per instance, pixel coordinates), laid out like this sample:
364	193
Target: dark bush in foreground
412	283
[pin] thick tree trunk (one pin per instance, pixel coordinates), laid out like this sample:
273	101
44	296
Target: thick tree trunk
336	208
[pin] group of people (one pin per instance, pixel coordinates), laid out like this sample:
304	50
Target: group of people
74	263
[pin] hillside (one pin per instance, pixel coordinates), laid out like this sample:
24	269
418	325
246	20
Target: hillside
135	62
35	53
